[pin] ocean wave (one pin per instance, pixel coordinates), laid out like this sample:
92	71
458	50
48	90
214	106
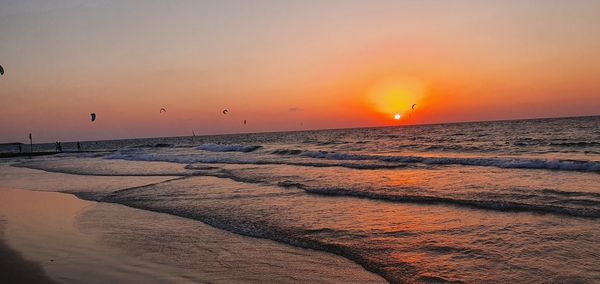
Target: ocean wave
259	229
491	204
459	148
319	238
287	152
331	142
531	201
97	171
570	193
575	144
138	155
157	145
512	163
335	155
355	161
228	148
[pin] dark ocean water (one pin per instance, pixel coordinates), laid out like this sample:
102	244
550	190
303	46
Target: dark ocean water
506	201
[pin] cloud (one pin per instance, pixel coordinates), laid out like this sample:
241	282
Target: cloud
295	109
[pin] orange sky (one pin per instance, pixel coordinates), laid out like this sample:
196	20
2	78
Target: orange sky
280	64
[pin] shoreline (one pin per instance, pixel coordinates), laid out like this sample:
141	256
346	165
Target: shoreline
78	244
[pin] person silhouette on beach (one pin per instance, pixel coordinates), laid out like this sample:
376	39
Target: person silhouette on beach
58	147
78	146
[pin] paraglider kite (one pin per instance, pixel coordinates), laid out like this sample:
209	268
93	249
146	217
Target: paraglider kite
1	70
93	116
162	110
225	111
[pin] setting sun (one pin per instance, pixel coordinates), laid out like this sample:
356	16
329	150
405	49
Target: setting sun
396	95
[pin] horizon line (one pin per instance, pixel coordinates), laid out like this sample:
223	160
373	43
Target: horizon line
325	129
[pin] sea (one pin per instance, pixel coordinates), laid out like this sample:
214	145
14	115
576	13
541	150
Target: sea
482	202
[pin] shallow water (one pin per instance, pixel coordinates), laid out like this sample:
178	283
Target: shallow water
509	201
79	241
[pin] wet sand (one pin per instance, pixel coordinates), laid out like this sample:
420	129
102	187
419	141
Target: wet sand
15	269
80	241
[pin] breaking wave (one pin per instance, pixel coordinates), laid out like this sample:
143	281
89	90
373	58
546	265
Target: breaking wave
228	148
514	163
491	204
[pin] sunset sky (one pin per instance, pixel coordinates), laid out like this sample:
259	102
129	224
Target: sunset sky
289	65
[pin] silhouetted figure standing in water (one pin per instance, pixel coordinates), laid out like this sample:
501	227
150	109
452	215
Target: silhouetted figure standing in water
20	148
78	146
58	147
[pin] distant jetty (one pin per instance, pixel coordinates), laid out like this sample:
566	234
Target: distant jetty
16	149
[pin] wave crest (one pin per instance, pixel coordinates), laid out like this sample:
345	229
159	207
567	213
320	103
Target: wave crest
228	148
511	163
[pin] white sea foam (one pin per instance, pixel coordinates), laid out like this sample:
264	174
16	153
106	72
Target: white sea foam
228	148
516	163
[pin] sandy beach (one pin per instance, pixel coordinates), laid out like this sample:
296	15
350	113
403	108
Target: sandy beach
76	241
15	269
